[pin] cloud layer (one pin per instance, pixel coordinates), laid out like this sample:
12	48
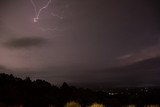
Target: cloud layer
24	42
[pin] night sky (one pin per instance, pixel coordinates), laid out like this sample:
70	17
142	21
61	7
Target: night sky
111	42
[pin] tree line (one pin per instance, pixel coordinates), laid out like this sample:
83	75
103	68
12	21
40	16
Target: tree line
40	93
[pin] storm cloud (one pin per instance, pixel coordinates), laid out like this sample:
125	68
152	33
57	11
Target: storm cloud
75	38
24	42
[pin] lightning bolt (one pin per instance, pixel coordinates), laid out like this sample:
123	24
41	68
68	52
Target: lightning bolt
36	18
55	15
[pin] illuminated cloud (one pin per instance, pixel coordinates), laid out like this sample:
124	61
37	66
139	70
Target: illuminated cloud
140	55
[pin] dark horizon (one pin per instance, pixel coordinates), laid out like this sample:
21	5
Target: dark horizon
17	92
150	66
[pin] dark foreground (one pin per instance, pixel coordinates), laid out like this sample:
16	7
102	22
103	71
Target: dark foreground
39	93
